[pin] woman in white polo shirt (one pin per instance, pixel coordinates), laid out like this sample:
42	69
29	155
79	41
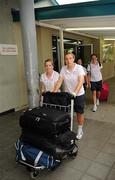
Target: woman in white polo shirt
49	78
73	76
95	79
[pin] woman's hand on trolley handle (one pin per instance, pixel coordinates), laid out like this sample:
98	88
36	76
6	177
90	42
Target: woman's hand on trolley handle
74	94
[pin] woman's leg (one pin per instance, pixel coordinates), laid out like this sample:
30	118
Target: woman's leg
98	96
99	87
80	120
79	109
94	97
94	94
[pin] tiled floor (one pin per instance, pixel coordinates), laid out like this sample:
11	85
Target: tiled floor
95	160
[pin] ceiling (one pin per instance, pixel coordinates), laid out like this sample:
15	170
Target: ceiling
82	15
83	22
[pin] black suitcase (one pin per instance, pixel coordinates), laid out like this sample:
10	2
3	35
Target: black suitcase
45	120
55	146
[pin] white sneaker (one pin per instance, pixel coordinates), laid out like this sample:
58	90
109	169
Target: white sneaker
79	135
94	108
97	102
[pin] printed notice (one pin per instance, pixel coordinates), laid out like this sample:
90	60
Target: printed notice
8	49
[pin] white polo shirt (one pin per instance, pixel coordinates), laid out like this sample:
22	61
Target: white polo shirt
95	71
49	82
71	78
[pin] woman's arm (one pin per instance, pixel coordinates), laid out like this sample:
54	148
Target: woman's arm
86	80
80	84
89	74
42	87
89	79
58	84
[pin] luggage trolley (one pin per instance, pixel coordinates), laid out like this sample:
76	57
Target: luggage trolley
64	102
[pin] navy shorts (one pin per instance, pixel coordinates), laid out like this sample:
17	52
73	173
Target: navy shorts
79	102
96	86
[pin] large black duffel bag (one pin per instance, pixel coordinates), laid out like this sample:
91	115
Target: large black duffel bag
45	120
55	146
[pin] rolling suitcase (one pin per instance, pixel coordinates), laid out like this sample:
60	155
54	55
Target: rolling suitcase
104	92
45	120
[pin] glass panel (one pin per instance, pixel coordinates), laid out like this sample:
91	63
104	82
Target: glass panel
84	52
55	53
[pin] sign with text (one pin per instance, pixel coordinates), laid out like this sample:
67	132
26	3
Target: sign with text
8	49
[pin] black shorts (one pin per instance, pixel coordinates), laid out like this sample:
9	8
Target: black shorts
96	86
79	104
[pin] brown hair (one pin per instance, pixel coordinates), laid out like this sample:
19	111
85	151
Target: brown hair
93	55
96	57
48	60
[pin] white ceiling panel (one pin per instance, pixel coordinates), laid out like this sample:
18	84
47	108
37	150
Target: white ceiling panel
84	22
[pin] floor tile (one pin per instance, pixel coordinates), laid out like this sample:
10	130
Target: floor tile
111	176
87	177
98	171
79	163
89	153
109	148
105	158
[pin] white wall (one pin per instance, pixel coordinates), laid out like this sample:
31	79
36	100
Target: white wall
11	90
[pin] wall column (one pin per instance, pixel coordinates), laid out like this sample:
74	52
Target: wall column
30	50
61	47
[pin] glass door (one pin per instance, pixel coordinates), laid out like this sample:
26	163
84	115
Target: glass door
84	52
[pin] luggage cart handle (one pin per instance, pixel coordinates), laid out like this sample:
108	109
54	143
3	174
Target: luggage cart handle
71	96
72	113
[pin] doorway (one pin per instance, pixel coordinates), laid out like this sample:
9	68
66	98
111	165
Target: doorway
80	50
84	52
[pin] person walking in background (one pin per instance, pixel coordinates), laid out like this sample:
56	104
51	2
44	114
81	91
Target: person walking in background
49	78
73	76
95	79
85	83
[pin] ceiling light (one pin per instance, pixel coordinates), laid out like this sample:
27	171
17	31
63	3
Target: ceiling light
60	2
90	29
111	39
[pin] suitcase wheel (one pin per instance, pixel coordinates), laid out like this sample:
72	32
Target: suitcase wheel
29	169
73	154
34	174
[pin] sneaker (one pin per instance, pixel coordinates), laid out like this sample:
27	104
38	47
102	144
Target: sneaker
79	135
94	108
97	102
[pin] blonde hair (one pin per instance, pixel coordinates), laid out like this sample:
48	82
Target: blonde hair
70	54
